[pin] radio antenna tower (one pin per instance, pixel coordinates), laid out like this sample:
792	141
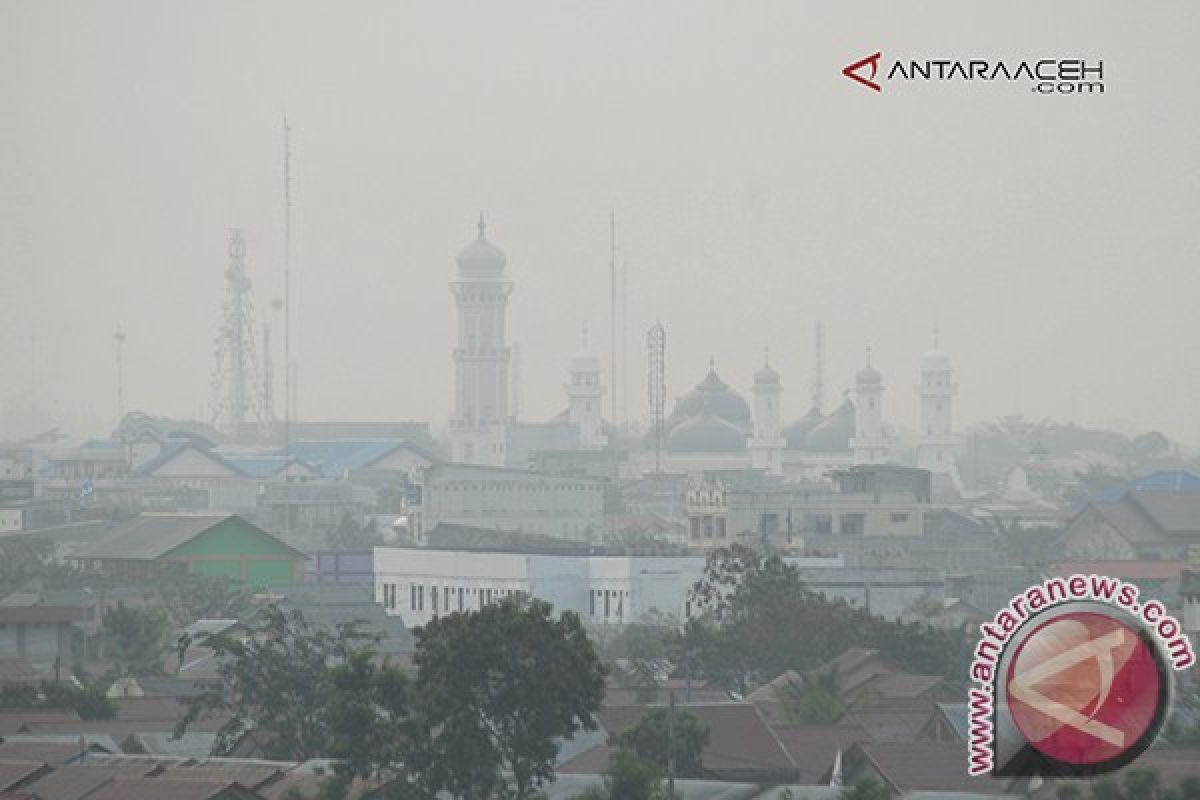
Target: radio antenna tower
624	341
818	388
236	368
656	346
119	338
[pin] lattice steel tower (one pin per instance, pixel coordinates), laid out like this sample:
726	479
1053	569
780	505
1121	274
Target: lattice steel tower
235	377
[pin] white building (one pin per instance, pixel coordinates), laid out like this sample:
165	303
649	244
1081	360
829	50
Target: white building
420	583
481	359
508	499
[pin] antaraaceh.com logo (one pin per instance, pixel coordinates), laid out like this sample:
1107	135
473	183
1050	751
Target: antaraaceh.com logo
1044	75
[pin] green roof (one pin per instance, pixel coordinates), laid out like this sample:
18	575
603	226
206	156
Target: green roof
149	537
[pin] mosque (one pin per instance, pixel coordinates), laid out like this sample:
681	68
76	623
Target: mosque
711	427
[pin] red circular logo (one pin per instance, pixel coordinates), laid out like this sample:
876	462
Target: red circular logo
1084	688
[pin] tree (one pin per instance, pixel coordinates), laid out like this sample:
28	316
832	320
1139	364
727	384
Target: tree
279	681
369	717
1068	791
495	688
866	789
190	597
1189	788
1106	789
138	639
648	738
1141	782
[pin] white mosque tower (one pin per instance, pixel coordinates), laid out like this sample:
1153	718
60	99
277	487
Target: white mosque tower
869	444
481	359
937	442
767	444
584	393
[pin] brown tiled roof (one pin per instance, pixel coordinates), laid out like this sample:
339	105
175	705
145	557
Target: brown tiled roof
814	747
889	725
890	685
1173	512
163	789
76	782
940	766
17	670
14	773
45	752
29	720
593	761
739	738
251	776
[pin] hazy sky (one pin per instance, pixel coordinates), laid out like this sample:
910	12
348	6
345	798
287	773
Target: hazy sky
1053	239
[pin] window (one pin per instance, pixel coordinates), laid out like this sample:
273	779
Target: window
592	602
433	598
420	598
412	600
461	598
899	516
607	598
854	524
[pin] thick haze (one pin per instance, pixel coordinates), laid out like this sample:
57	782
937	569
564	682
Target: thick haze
1054	240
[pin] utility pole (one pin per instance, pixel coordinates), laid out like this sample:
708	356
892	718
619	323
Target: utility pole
671	745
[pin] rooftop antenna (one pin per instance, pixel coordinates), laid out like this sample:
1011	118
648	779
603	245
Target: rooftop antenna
119	338
818	387
612	274
33	379
656	346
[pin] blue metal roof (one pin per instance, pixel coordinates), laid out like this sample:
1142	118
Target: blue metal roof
336	456
1175	480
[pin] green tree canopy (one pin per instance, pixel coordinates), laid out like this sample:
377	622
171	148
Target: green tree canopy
279	680
495	689
648	740
137	639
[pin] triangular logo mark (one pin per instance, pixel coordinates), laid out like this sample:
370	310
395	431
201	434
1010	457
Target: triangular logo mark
851	71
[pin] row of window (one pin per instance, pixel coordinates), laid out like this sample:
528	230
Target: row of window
444	598
610	601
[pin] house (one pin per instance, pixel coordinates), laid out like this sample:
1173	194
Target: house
43	628
1140	524
742	747
904	767
205	544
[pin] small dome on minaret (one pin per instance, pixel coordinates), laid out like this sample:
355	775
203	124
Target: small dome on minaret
481	258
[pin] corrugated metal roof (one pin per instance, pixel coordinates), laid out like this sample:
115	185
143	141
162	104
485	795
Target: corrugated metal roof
149	537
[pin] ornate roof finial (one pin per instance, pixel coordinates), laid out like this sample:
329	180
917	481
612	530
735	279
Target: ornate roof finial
712	363
482	225
936	335
585	333
766	355
868	355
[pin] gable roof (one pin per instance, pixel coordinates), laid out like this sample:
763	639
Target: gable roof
336	456
14	773
739	738
173	448
922	765
1172	512
148	537
814	747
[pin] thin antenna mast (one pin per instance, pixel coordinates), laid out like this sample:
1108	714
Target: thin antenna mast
119	338
287	303
287	289
624	341
612	321
818	388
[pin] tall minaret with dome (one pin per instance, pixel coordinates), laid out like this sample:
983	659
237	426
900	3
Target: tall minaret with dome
481	359
584	395
767	443
937	443
869	443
